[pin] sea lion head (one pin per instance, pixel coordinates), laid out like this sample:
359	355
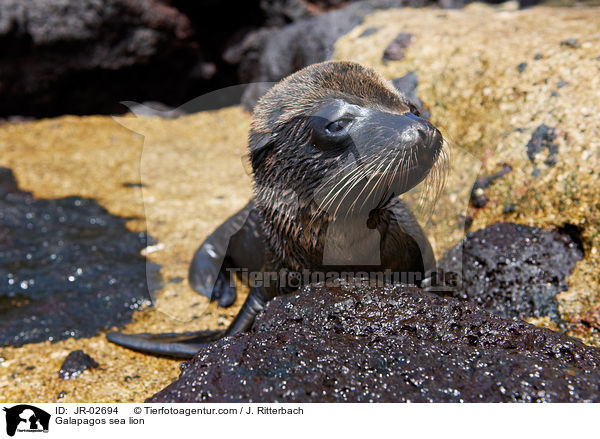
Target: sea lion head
339	136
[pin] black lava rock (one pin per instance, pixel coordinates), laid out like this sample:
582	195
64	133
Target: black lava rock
478	198
85	56
68	268
350	343
573	43
513	270
543	138
75	363
395	50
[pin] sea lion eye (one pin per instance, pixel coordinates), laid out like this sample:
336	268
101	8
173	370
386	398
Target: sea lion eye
413	109
338	125
332	124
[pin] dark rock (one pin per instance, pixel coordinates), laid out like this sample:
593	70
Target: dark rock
75	363
528	3
282	12
543	138
368	32
478	198
132	185
357	343
395	50
8	183
68	268
562	83
538	56
509	208
513	270
84	56
464	221
571	42
451	4
407	85
521	67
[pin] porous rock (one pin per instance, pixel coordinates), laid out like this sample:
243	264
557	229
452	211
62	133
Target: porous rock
74	365
351	343
513	270
86	56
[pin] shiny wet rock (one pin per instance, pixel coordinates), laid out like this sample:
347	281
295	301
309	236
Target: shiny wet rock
68	268
75	364
391	344
514	270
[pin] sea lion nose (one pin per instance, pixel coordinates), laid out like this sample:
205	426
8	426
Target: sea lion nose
415	131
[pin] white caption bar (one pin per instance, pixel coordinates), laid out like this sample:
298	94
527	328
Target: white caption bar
26	420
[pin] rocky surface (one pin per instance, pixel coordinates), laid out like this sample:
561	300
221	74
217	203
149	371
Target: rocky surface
98	158
58	55
393	344
68	268
513	270
75	364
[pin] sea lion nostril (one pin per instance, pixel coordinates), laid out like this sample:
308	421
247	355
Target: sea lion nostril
436	139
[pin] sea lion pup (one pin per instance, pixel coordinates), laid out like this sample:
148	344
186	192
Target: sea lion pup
331	148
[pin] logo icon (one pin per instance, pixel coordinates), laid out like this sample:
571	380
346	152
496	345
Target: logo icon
26	418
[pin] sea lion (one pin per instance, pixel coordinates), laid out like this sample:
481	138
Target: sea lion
331	148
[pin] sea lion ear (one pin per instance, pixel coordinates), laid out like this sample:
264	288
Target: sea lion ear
263	143
260	149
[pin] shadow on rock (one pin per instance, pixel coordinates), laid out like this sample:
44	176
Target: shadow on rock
68	268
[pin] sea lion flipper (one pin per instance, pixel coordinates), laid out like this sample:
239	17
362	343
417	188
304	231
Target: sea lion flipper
186	345
207	273
169	344
236	245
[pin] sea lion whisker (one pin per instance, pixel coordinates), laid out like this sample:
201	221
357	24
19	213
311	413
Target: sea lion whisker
331	196
372	167
362	173
379	176
358	173
434	183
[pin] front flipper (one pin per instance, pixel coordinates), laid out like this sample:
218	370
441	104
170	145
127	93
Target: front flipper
186	345
207	270
236	245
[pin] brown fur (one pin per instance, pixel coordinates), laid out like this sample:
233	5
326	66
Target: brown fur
287	171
